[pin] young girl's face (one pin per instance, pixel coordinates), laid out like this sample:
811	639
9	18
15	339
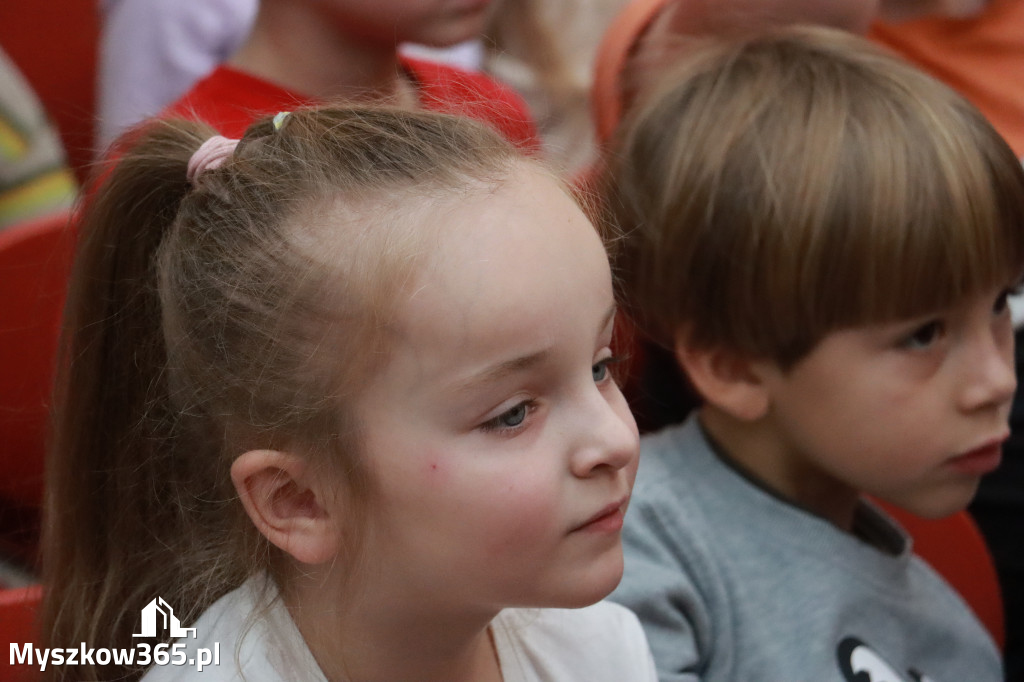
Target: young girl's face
502	451
913	412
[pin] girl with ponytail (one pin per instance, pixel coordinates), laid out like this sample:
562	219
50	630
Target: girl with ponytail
323	402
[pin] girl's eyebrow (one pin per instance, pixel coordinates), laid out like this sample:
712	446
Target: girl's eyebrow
505	368
608	317
499	371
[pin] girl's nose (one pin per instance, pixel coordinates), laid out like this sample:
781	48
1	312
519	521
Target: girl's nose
608	437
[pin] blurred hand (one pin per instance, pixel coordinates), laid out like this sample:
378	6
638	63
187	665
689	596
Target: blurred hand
903	10
703	17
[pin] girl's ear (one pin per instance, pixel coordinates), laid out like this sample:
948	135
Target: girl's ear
725	379
287	504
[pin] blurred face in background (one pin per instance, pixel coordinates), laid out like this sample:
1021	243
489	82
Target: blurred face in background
437	23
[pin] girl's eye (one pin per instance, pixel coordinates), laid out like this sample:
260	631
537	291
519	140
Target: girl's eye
509	419
601	370
924	336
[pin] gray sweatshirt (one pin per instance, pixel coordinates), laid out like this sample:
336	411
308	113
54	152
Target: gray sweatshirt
733	584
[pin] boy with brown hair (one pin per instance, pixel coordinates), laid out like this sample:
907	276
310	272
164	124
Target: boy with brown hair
825	238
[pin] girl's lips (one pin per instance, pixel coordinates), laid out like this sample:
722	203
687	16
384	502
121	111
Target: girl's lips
608	520
981	460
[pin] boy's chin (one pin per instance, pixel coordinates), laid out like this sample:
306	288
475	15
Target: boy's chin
937	504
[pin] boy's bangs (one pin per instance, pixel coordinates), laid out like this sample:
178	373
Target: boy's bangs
946	225
905	220
775	196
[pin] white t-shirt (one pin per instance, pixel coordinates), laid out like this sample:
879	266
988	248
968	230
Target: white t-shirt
599	643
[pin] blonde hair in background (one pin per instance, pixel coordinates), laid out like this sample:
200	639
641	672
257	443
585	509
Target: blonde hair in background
245	312
772	189
545	49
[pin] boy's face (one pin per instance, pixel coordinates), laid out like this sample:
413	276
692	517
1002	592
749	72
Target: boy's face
913	412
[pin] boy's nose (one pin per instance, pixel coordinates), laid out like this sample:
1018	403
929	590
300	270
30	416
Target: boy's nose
993	379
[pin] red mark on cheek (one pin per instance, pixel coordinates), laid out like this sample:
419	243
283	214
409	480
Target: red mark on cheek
435	469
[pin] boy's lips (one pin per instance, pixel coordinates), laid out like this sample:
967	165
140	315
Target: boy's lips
982	459
608	519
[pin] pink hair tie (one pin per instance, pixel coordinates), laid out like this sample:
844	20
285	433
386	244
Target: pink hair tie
211	154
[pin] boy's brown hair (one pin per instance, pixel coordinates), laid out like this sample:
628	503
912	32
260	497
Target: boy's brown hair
773	189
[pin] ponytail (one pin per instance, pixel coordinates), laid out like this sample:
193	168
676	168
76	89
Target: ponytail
112	428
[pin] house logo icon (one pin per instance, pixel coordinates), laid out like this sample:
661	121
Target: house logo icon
159	610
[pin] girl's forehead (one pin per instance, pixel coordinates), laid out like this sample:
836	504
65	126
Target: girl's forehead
502	245
512	268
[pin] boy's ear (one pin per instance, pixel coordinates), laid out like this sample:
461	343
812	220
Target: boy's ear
724	379
287	504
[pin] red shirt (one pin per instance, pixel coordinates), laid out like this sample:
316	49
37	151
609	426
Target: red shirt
982	58
229	100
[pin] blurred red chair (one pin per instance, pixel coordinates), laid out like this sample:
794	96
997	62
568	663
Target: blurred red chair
55	45
955	548
18	608
35	261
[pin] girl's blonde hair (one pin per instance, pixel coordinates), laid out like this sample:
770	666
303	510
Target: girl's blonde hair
244	312
772	189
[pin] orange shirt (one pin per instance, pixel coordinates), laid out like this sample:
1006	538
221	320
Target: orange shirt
982	58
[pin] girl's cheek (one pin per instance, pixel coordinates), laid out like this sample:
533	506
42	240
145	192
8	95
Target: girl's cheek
519	517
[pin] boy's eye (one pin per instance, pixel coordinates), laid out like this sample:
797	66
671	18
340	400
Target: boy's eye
1002	302
924	336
